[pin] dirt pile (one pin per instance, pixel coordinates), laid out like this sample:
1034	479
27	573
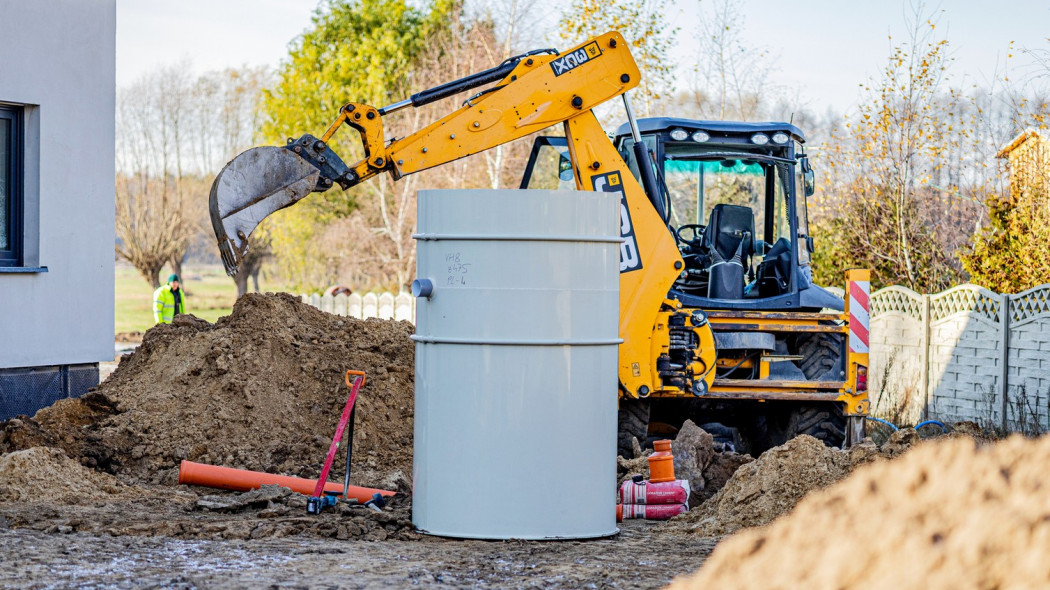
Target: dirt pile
948	514
260	389
900	442
42	474
762	490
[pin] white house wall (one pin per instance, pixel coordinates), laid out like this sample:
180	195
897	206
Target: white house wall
59	55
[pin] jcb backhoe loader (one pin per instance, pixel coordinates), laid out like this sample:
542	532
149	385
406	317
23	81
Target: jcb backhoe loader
720	319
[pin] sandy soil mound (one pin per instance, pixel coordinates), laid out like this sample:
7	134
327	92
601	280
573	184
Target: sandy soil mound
45	474
763	489
948	514
260	389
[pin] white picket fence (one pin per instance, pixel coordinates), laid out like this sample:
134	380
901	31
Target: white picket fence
385	306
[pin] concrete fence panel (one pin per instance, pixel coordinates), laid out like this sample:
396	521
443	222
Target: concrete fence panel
899	339
339	304
386	306
1028	366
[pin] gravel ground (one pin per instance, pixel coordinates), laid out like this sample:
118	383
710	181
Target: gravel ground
643	555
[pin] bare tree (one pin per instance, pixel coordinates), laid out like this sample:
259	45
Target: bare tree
252	263
152	226
887	211
174	131
147	234
730	79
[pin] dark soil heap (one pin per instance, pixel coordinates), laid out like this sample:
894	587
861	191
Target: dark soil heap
260	389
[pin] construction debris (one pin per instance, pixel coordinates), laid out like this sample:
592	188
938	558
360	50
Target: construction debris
697	461
948	514
262	497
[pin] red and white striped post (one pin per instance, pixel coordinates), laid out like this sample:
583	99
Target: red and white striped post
858	310
858	289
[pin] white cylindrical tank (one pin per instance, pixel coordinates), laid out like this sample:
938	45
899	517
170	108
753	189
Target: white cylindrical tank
516	364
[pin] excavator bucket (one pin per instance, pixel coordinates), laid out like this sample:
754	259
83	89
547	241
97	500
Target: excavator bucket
251	186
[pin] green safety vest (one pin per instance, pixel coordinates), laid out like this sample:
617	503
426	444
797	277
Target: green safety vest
164	304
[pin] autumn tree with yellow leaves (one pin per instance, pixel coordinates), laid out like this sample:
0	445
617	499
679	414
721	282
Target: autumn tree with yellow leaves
377	52
880	207
643	24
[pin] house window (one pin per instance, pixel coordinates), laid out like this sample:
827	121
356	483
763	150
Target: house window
10	186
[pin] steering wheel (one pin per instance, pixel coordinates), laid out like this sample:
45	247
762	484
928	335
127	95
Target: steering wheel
697	231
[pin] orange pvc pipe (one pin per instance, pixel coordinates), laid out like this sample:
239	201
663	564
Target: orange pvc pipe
242	480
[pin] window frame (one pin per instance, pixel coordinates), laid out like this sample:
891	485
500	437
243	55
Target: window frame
12	257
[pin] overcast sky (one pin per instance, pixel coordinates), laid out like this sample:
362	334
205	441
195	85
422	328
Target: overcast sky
825	48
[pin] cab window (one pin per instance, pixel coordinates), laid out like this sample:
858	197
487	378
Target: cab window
549	166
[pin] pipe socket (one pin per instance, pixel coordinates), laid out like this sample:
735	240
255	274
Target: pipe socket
422	288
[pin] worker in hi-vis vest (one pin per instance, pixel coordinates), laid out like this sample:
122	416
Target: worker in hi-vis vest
168	300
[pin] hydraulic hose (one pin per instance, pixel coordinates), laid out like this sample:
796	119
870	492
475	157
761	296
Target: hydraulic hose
938	423
881	421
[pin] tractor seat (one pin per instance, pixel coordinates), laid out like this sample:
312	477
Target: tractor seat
730	237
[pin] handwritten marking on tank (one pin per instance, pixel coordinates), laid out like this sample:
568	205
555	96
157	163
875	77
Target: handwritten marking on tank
458	269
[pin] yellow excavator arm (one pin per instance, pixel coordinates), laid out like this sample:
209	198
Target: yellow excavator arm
531	92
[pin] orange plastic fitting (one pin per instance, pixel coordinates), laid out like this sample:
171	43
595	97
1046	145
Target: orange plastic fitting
243	480
661	463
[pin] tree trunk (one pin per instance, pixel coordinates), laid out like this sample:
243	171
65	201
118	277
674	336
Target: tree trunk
151	274
241	280
251	264
176	264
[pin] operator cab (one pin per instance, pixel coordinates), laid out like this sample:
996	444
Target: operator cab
734	197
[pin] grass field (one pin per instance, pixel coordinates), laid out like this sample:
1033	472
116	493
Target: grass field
210	295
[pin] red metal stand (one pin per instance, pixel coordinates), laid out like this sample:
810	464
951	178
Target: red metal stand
358	383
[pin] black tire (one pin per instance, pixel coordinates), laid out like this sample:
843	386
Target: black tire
823	360
821	357
727	438
632	423
825	422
